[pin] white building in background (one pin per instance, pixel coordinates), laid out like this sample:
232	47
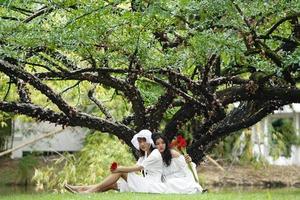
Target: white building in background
261	136
69	139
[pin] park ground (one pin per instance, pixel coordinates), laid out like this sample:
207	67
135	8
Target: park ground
250	175
277	194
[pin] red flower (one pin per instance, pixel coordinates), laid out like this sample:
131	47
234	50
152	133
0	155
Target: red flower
113	166
181	142
179	138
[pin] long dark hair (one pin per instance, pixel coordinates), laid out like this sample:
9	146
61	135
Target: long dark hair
166	155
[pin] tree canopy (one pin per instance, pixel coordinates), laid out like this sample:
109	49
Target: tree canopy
122	66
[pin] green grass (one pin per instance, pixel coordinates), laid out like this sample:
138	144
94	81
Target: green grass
282	194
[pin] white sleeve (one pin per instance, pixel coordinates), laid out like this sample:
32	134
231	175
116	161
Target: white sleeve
139	161
180	162
152	159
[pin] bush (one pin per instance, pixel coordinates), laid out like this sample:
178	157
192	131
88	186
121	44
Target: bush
89	166
25	168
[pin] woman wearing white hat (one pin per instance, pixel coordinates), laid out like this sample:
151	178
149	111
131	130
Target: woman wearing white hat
150	163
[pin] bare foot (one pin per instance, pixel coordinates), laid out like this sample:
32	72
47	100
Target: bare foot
69	188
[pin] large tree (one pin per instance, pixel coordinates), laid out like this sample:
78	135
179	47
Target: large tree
172	62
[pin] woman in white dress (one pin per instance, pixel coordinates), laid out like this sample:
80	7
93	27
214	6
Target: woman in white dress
176	175
126	178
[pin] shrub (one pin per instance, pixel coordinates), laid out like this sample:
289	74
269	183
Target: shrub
89	166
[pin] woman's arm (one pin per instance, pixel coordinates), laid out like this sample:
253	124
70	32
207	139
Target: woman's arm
128	169
174	153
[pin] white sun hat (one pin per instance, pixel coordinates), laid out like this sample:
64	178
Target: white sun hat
142	134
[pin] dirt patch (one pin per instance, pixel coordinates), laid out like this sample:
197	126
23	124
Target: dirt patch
250	175
8	171
17	172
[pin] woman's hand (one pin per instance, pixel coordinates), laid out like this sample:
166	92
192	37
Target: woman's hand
187	158
117	170
113	166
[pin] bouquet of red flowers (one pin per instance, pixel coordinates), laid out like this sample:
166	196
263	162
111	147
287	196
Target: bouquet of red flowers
180	143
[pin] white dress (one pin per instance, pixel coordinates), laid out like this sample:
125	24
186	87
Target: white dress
179	179
150	182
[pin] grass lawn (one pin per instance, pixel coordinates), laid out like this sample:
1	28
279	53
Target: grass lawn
280	194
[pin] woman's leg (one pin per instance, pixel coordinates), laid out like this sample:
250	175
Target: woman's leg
78	188
111	187
107	184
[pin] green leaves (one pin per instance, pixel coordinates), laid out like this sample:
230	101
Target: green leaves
150	92
119	47
283	136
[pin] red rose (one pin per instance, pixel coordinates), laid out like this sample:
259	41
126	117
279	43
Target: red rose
179	138
113	166
181	142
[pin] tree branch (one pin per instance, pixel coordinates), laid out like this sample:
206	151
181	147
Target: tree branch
282	20
184	114
227	80
244	116
157	112
100	105
23	92
10	69
82	120
38	13
243	93
177	91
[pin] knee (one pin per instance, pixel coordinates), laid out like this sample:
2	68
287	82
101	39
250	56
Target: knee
114	186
